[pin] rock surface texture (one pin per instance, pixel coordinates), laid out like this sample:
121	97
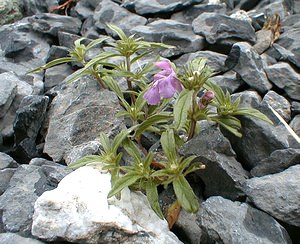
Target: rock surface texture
249	191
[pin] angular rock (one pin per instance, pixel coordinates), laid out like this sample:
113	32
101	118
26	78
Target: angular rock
5	176
189	14
295	107
259	139
277	194
279	103
110	12
224	221
10	10
78	211
77	115
12	238
229	81
286	78
277	162
7	93
143	7
56	75
32	7
282	7
244	60
26	185
289	42
173	33
295	124
223	174
218	27
52	23
216	61
7	162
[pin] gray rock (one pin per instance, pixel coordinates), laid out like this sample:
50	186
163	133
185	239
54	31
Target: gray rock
216	61
7	93
55	75
7	162
12	238
277	194
228	81
279	103
289	42
224	221
286	78
282	7
25	186
244	60
223	174
157	6
295	124
295	107
77	115
217	27
110	12
277	162
78	211
189	14
259	138
52	23
32	7
10	10
173	33
5	176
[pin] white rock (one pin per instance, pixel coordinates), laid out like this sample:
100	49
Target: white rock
78	210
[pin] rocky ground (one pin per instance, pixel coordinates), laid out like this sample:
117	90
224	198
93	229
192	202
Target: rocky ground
250	189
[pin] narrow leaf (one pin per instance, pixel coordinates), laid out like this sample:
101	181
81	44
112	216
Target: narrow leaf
185	195
152	196
252	112
84	161
182	106
167	141
121	183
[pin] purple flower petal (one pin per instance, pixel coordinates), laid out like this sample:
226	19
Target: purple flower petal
176	84
152	95
164	65
166	89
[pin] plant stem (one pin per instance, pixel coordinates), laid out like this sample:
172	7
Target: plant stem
193	122
100	81
128	79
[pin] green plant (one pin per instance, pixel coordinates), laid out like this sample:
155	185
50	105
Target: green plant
151	108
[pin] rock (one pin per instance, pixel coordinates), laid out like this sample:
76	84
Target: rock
32	7
282	7
286	78
79	112
259	139
10	10
295	124
244	60
5	176
224	221
277	162
289	43
144	7
223	175
55	75
78	210
215	61
228	81
25	186
218	27
279	103
52	23
189	14
23	89
110	12
280	202
7	162
7	93
295	107
173	33
12	238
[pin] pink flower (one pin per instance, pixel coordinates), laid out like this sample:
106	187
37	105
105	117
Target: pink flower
165	84
206	98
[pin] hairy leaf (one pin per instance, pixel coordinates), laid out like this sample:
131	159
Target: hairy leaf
181	108
152	196
85	160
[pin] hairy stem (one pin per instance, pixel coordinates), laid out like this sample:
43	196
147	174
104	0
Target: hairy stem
193	122
129	79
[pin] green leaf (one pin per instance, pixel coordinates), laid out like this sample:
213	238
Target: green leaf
252	112
152	196
119	138
181	108
117	30
186	162
125	181
52	63
185	195
84	161
230	123
96	42
132	150
167	141
157	118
